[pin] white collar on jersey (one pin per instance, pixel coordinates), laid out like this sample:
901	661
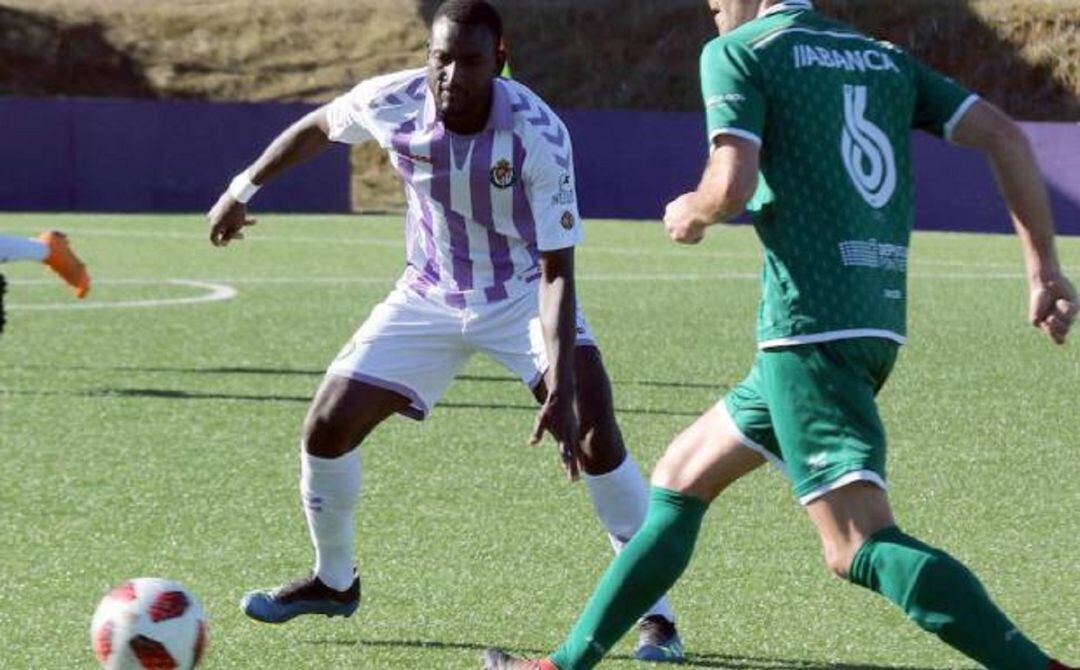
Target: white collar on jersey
789	4
500	118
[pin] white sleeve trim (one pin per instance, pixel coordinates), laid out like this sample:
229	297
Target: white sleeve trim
950	126
737	132
561	244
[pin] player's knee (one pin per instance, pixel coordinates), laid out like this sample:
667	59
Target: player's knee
601	446
665	472
595	404
676	469
600	440
326	436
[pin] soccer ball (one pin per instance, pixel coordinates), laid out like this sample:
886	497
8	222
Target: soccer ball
151	624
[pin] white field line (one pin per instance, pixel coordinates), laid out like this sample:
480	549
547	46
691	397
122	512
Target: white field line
581	277
253	236
219	289
225	282
599	278
215	293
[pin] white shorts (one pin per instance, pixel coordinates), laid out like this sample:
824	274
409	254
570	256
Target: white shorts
415	346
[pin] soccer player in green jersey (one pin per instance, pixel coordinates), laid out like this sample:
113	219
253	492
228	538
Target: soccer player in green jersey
809	125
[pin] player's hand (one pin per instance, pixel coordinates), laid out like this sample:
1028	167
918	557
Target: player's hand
683	220
1053	306
227	219
558	416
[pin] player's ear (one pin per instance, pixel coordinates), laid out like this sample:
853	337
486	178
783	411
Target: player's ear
502	56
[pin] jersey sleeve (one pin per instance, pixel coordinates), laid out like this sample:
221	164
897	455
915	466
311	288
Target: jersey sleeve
346	115
551	189
731	88
940	102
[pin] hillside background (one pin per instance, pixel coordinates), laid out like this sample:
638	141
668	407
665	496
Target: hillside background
1022	54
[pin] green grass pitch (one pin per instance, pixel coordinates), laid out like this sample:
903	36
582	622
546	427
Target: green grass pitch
144	435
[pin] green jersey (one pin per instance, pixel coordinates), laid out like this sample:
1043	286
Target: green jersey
832	111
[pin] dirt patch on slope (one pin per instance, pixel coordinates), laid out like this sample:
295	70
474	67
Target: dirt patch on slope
1024	54
1021	54
40	55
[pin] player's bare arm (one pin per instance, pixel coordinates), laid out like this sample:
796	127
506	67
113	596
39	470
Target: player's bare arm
302	141
726	187
558	318
1053	301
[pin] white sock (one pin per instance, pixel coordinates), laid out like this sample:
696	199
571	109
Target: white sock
621	499
329	490
21	249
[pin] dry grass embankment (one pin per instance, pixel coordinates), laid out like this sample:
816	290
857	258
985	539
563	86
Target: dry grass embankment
1023	54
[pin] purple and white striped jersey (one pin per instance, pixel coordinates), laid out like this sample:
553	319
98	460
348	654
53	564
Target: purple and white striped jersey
480	208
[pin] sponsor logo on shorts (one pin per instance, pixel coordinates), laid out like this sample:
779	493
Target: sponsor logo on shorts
817	461
502	174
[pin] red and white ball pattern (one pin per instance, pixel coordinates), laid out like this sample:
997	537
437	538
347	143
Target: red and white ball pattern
149	624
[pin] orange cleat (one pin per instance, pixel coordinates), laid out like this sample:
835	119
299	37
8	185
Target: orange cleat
497	659
65	263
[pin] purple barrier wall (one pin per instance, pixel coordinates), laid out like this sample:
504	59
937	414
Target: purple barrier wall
955	189
119	155
629	164
102	155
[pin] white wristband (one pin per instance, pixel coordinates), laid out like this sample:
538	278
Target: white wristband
241	188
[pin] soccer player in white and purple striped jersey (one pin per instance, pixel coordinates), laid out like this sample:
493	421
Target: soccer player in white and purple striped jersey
490	232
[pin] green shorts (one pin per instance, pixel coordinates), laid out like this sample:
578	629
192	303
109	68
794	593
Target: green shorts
811	410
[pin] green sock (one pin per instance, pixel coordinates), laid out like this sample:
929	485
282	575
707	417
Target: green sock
943	597
642	572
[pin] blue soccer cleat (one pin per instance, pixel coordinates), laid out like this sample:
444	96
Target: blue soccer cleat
304	596
658	641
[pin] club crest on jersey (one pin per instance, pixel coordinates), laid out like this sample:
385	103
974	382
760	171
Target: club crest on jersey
502	174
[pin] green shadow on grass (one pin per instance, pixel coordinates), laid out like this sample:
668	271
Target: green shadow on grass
699	660
173	394
763	663
300	372
616	382
176	394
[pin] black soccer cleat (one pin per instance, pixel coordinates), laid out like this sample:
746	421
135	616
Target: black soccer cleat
304	596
